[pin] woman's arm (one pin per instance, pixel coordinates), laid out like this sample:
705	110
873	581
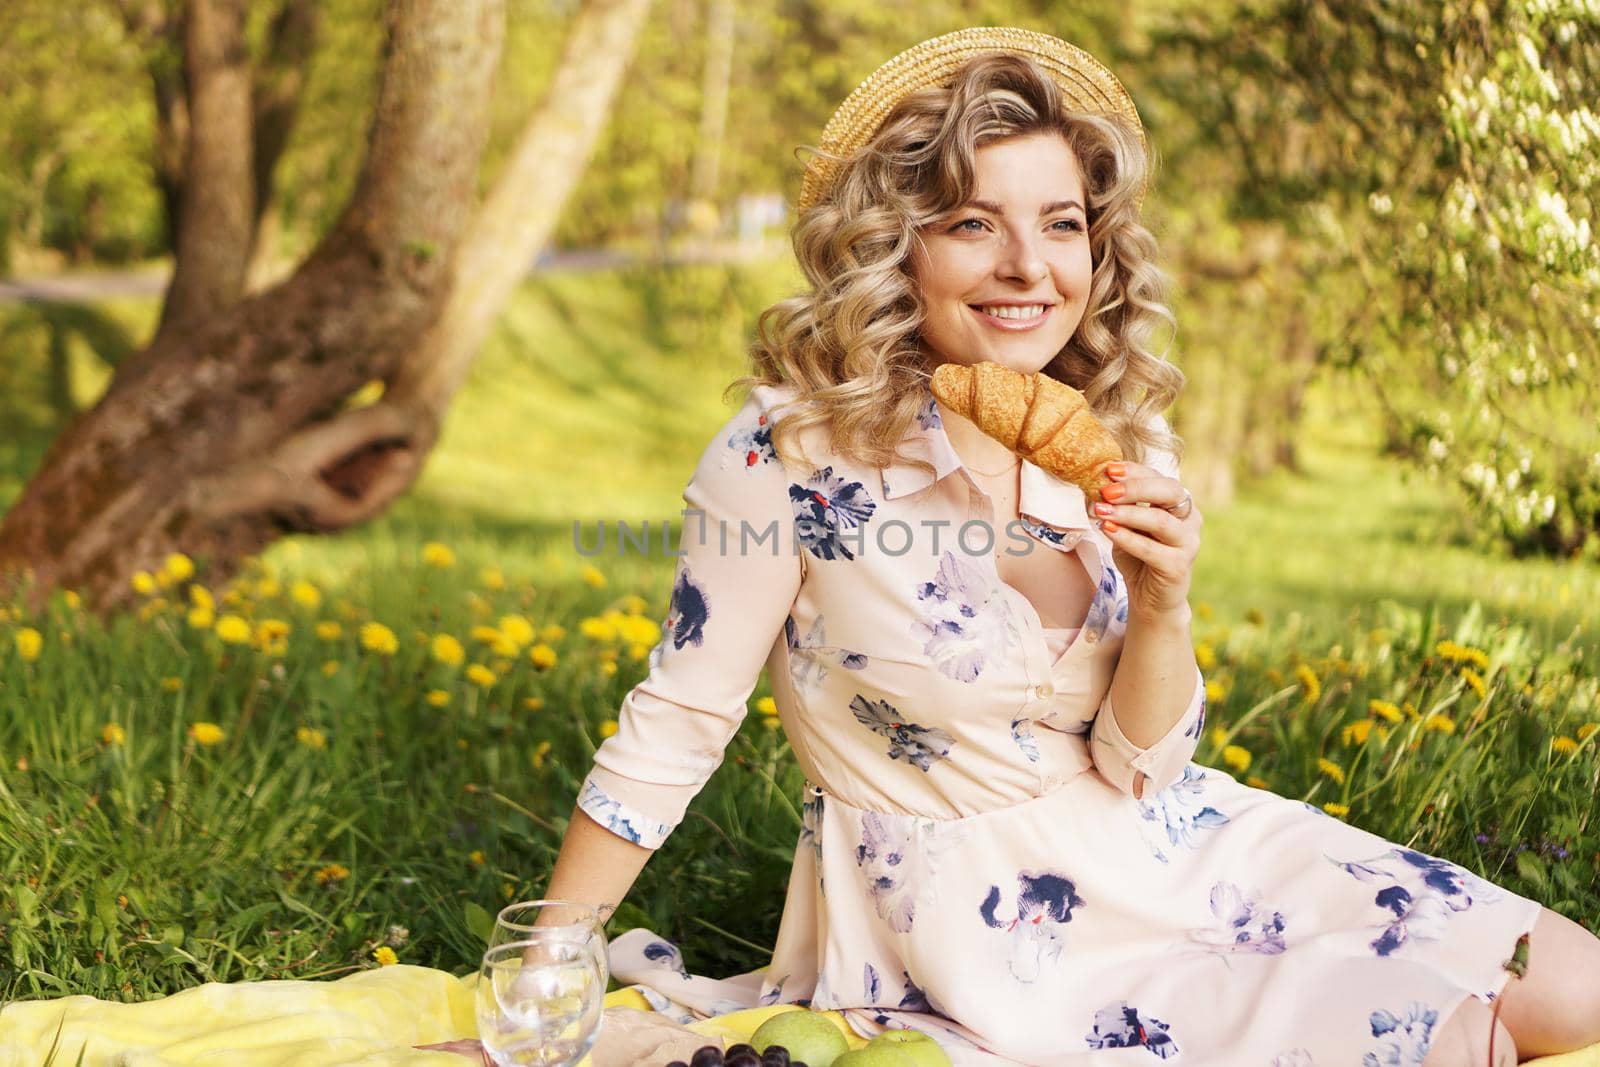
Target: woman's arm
1154	678
595	866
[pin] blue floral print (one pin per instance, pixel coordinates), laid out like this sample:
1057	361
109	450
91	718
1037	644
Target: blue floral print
1180	813
610	813
755	442
965	620
811	829
1243	924
1420	910
773	995
811	656
914	999
1294	1057
824	505
1121	1026
1402	1040
1200	719
920	746
1045	900
689	611
1064	540
1022	735
871	985
882	856
1110	604
667	954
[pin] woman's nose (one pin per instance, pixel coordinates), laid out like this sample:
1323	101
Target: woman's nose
1021	259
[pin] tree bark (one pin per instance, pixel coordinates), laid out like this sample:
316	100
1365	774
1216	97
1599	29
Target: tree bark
224	435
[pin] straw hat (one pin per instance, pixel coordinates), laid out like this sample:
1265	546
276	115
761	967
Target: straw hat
1088	85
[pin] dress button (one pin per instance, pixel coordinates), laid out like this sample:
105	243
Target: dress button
1041	691
1091	637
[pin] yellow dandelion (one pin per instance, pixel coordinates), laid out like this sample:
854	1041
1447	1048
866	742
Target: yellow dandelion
234	630
447	650
1215	691
306	595
328	630
1308	681
177	567
206	734
330	668
29	642
1439	723
638	629
608	668
638	652
518	629
1336	810
553	631
597	629
543	656
112	734
1218	735
1236	757
1256	783
143	582
171	683
634	604
437	698
766	706
485	635
532	703
1331	770
311	738
200	597
376	637
152	608
201	618
491	578
438	555
333	872
1410	710
1357	732
268	587
1564	745
540	751
592	577
385	956
608	727
480	675
1474	681
272	631
1383	709
771	722
1202	609
74	601
1586	729
1205	657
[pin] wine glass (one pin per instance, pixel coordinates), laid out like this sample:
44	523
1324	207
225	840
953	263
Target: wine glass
533	919
538	1002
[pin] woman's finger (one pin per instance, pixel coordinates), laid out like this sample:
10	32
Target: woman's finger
1156	523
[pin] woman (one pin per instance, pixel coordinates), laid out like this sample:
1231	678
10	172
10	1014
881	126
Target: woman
988	680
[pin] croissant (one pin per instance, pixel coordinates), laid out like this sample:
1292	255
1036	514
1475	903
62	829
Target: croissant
1039	418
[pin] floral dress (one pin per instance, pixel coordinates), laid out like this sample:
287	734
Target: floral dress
973	861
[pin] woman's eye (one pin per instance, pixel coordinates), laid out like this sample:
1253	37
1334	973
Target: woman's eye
1071	224
962	224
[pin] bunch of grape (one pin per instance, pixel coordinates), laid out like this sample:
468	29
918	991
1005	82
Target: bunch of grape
740	1055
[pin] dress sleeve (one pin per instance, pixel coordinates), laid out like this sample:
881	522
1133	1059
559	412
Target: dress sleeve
1119	760
735	582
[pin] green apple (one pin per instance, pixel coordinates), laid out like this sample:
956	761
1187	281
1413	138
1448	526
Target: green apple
875	1054
808	1035
921	1049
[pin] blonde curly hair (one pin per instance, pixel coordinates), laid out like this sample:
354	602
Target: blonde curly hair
850	346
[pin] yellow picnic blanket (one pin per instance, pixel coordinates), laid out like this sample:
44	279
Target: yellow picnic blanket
371	1018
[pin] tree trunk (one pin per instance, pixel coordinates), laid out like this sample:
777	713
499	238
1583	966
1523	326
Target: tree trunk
222	436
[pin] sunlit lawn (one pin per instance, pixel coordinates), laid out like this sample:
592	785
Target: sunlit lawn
369	787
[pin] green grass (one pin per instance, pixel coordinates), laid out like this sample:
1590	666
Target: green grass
134	867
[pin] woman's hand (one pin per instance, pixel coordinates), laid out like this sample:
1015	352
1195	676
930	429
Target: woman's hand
1153	548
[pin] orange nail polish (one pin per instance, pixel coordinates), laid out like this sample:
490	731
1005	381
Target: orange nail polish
1109	527
1116	470
1113	492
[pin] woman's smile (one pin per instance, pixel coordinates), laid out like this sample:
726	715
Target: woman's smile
1006	317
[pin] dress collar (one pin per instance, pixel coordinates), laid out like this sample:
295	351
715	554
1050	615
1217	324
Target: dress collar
1044	498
